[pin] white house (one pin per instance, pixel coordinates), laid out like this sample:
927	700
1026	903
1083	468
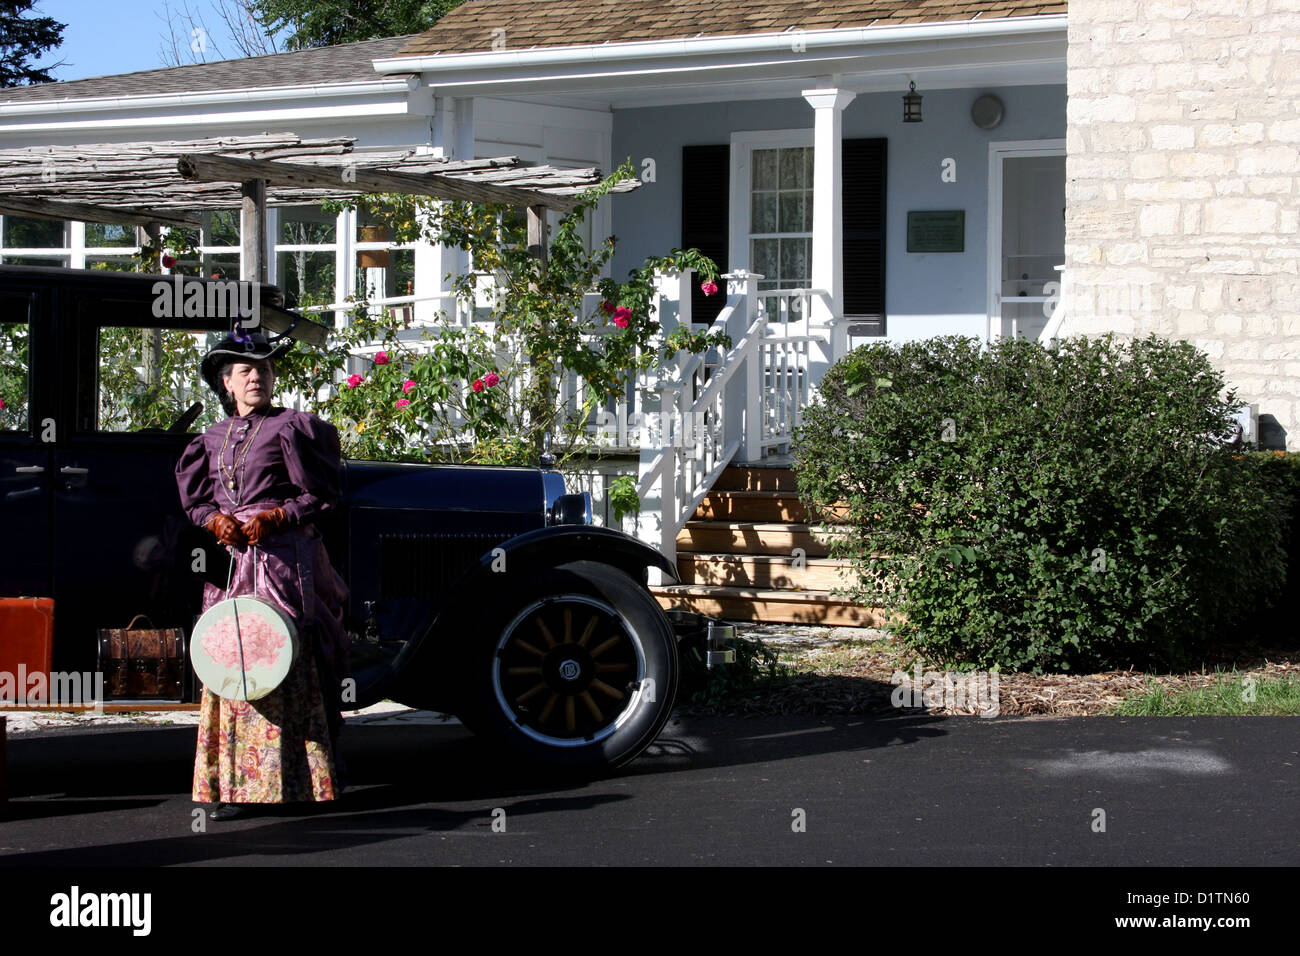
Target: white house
773	137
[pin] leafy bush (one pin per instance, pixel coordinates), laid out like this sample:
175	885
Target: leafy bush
1027	508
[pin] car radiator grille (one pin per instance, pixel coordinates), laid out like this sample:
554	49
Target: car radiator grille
425	566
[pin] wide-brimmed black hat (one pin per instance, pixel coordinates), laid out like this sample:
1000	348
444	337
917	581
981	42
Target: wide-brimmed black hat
248	347
243	347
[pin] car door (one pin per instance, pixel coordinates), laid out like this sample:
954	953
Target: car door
123	545
25	459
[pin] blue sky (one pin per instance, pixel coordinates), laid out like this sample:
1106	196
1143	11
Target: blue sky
122	36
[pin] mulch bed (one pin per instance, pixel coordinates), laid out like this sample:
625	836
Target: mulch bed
841	671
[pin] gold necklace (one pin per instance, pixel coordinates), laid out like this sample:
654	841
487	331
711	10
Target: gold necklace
236	460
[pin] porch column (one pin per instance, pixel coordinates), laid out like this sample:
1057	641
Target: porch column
828	218
453	138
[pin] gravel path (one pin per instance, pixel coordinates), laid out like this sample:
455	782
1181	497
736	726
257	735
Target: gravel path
850	670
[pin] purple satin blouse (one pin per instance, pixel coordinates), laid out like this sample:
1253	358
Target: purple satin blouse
275	457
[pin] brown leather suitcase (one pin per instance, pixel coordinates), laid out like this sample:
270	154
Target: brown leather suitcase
143	663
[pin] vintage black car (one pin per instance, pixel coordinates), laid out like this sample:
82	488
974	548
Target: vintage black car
477	591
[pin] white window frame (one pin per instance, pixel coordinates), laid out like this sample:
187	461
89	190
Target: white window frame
998	152
743	144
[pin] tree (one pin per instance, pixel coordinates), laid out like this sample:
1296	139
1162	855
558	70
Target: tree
21	38
189	39
258	27
327	22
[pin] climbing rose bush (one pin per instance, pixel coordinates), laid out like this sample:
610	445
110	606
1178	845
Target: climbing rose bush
480	397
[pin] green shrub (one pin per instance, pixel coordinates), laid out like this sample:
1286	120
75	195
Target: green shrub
1027	508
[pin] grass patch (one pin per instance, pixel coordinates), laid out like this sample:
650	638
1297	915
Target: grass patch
1230	695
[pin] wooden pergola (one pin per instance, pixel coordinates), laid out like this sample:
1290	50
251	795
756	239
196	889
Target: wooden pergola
156	184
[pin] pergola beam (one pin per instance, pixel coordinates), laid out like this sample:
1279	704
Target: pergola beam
58	210
197	167
252	230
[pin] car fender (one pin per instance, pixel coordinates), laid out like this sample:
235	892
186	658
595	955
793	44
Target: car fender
422	676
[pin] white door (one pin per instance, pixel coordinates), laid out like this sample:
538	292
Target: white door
1026	236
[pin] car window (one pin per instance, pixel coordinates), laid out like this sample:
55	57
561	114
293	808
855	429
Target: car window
149	377
15	366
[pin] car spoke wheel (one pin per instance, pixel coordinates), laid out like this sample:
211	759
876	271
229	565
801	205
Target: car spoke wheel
567	671
580	671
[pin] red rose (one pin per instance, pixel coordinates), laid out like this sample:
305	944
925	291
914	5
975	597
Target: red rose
478	385
607	306
168	260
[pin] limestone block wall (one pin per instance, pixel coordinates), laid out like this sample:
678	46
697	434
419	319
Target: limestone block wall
1183	186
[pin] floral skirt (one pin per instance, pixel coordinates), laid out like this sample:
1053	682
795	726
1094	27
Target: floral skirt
273	750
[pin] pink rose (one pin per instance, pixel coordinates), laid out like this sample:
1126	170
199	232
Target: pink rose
708	288
620	321
381	358
168	260
478	385
408	385
491	379
3	406
622	312
607	306
354	381
402	402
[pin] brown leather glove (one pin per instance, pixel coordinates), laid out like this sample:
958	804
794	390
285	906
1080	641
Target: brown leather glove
265	525
226	529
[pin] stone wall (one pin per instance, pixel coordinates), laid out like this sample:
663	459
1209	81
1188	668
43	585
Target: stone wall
1183	186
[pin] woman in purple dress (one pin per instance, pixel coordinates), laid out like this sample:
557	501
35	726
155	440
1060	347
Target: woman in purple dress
257	481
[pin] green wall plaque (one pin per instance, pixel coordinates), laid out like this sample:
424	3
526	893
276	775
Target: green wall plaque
937	231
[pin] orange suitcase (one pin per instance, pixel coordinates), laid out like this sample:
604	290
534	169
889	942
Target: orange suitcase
26	640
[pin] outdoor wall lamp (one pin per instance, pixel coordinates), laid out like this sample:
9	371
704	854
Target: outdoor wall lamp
912	104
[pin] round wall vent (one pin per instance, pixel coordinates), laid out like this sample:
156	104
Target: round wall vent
986	112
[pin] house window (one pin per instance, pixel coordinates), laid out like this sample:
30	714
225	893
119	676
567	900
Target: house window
15	365
305	255
772	209
780	217
749	205
34	242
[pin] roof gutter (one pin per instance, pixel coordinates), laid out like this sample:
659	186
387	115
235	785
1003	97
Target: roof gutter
760	43
258	95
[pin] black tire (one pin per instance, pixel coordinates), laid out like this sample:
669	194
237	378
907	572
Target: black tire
578	670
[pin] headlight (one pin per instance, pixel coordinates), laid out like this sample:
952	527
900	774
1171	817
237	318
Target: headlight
572	509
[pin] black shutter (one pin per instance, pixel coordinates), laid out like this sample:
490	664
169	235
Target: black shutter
706	196
864	233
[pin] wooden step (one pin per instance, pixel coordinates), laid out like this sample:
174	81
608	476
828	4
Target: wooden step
743	478
762	506
752	506
751	537
752	604
768	572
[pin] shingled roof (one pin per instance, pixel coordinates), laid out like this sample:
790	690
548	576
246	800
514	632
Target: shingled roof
476	25
328	64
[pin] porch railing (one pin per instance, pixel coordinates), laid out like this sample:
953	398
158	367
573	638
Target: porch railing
749	400
689	418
